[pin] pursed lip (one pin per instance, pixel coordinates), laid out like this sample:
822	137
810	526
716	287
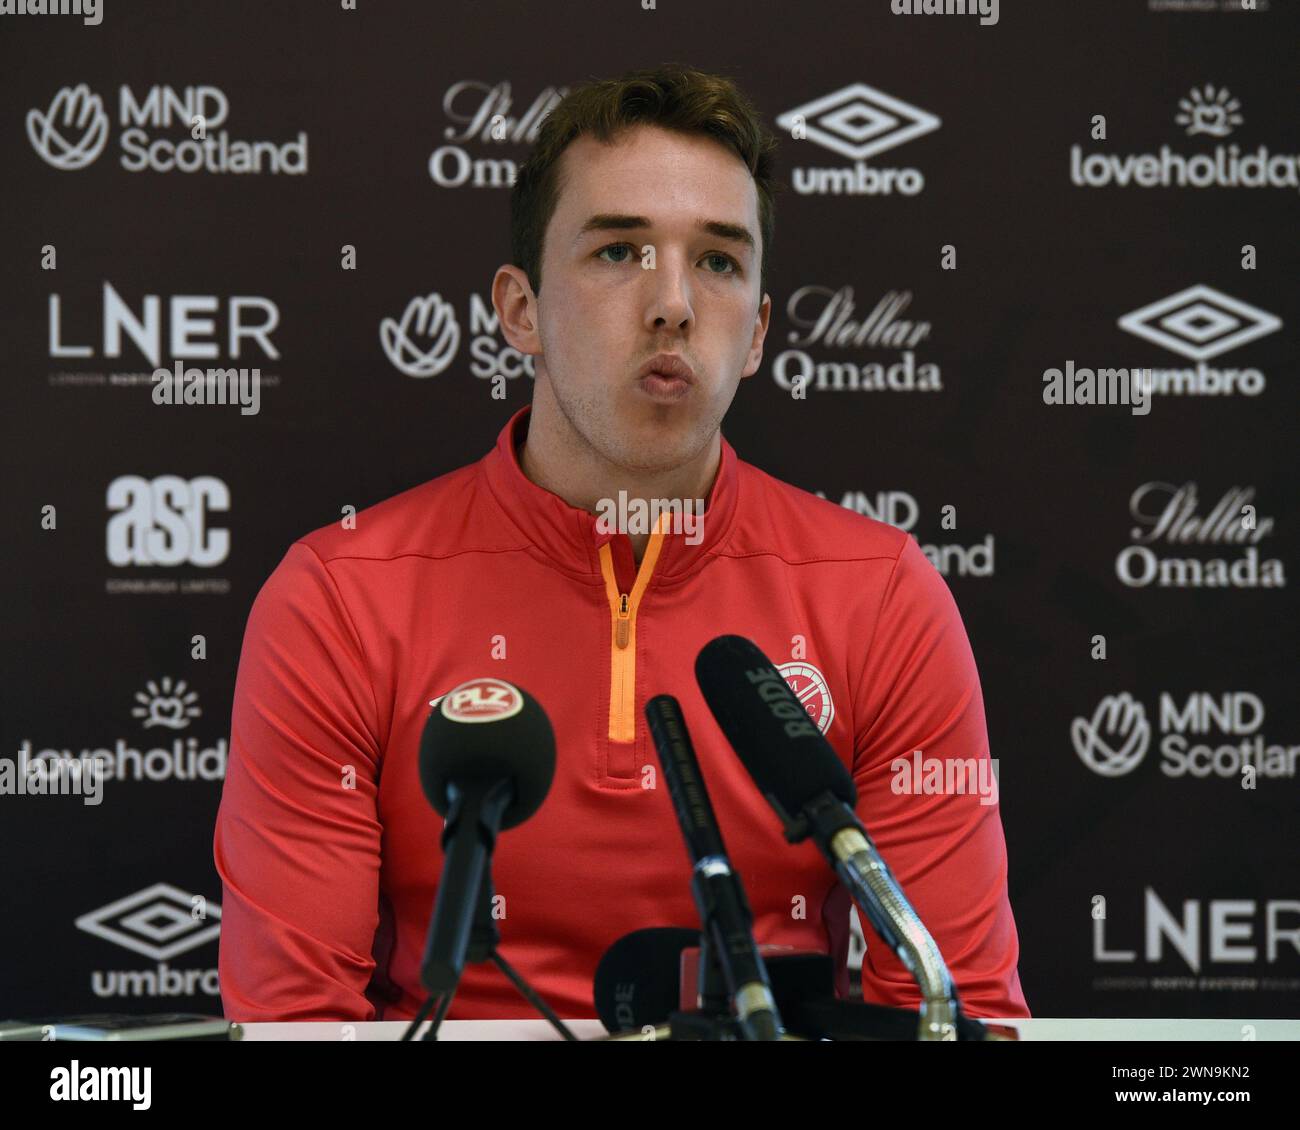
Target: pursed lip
667	365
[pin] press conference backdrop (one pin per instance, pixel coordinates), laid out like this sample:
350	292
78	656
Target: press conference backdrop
968	204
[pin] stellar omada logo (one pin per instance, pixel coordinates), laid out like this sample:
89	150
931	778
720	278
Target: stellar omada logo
1171	517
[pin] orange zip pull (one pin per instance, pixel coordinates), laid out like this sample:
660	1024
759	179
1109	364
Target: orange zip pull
621	630
623	607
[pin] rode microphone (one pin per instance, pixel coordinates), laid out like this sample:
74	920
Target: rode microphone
719	895
636	990
802	777
637	982
487	757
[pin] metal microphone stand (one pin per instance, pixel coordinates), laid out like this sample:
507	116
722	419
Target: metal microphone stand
484	938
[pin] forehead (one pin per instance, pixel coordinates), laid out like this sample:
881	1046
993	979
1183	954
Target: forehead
656	173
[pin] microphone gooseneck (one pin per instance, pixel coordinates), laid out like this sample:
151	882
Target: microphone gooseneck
799	773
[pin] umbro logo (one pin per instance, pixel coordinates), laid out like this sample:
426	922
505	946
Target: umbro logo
1200	322
858	121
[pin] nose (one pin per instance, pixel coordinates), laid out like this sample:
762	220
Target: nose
669	301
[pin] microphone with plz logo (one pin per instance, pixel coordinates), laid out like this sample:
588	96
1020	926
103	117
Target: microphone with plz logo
487	758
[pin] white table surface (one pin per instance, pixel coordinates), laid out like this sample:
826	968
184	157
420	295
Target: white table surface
1039	1028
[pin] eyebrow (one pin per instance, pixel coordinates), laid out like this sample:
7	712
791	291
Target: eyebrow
618	221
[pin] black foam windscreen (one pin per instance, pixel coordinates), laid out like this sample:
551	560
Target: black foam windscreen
787	755
638	984
484	731
638	979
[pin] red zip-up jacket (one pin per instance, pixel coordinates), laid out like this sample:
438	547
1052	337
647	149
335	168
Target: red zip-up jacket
329	852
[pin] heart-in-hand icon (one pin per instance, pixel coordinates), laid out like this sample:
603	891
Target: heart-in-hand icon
168	712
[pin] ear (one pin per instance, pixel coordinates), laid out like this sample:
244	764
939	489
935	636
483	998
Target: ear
760	333
516	307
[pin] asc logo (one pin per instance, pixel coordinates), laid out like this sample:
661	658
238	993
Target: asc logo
163	521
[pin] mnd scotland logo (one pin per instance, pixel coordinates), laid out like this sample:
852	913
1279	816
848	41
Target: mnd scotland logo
900	508
1232	745
424	341
74	130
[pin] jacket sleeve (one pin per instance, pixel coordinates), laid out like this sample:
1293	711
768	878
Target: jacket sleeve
297	842
920	691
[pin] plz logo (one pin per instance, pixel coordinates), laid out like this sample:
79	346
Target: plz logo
481	700
164	521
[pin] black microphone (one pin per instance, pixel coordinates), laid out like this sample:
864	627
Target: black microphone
802	777
487	758
719	895
636	989
638	979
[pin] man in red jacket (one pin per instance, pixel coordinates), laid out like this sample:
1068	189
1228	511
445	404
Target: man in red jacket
646	213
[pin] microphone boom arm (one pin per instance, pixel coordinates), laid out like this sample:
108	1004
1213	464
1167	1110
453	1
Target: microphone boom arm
863	871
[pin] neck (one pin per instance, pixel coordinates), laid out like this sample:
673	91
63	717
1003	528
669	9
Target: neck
559	460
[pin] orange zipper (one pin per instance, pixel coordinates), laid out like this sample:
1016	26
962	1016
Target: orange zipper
623	606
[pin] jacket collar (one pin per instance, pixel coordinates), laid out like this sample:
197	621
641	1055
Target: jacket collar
568	537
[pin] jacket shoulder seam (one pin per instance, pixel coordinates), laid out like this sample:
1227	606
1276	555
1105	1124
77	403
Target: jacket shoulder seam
814	560
361	647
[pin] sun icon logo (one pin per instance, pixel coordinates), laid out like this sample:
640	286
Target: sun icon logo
166	704
1209	111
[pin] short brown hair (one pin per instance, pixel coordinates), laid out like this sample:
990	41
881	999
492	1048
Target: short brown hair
673	96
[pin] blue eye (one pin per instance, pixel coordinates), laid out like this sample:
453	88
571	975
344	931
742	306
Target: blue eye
635	253
614	246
